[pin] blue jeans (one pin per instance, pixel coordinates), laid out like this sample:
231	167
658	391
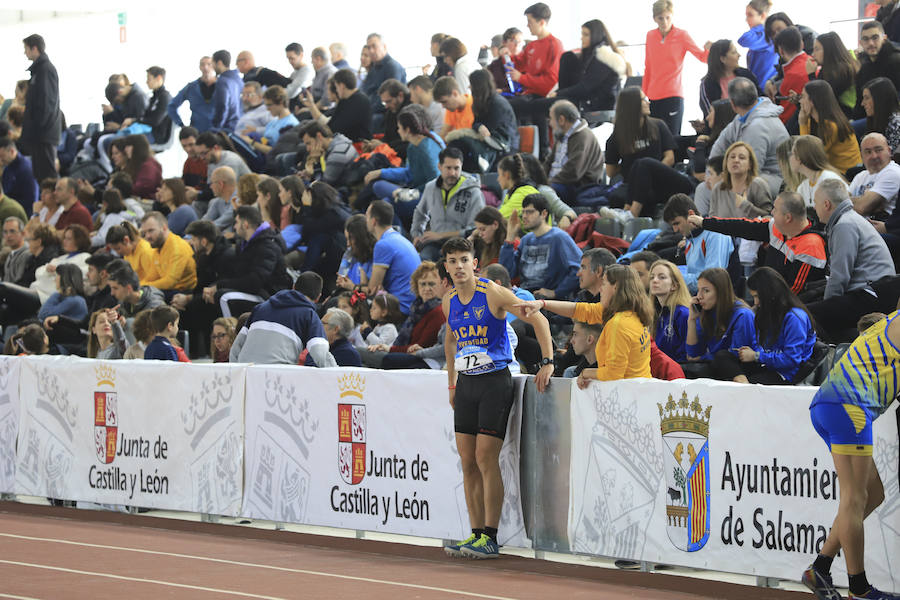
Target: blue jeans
431	252
384	190
565	191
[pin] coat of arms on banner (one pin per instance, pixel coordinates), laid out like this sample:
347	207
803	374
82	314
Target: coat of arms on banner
352	430
685	432
106	416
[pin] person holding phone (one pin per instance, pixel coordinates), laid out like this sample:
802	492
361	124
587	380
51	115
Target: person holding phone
717	321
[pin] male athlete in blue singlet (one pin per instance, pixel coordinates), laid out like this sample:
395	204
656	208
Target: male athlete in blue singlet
477	349
859	389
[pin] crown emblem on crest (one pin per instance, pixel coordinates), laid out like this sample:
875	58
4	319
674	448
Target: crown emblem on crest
684	415
106	375
352	384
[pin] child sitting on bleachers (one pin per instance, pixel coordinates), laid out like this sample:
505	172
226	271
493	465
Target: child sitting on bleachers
355	304
384	316
164	320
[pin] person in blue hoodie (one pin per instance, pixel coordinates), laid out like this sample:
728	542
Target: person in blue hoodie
279	329
761	55
702	249
547	259
227	108
785	336
198	94
718	321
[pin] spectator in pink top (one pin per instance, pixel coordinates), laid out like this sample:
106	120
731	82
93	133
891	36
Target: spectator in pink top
665	50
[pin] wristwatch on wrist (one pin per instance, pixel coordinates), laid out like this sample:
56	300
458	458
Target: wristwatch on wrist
545	361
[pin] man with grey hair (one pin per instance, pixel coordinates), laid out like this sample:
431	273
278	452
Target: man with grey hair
338	327
590	273
256	116
339	55
861	279
321	62
576	159
17	260
757	123
223	184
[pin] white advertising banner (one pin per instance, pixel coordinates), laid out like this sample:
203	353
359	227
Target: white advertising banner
719	476
151	434
9	421
364	449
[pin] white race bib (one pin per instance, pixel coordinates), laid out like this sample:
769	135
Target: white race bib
471	359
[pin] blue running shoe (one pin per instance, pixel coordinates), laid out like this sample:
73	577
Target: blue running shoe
820	584
483	547
873	594
453	550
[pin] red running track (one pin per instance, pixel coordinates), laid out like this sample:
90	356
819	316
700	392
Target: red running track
49	552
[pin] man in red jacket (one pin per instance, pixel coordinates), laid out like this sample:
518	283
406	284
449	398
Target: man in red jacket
537	70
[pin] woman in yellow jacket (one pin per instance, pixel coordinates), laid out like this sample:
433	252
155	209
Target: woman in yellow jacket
821	115
623	349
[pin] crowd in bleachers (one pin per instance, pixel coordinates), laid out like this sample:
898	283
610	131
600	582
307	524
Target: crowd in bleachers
307	223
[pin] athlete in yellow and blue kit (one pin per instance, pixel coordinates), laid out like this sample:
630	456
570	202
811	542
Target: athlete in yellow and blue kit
860	388
478	353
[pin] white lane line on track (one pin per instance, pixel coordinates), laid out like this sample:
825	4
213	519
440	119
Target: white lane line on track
139	580
258	566
13	597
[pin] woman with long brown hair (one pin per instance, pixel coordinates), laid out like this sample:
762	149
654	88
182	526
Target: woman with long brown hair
137	160
489	235
882	108
832	62
623	349
173	194
785	336
268	200
642	149
592	78
718	320
356	265
821	115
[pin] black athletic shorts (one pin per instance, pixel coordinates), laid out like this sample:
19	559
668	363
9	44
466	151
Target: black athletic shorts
483	403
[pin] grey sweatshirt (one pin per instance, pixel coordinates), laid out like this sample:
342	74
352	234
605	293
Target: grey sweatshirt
458	214
858	254
764	131
116	350
338	156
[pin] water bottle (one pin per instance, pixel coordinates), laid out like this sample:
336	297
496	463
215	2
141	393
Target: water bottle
514	86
